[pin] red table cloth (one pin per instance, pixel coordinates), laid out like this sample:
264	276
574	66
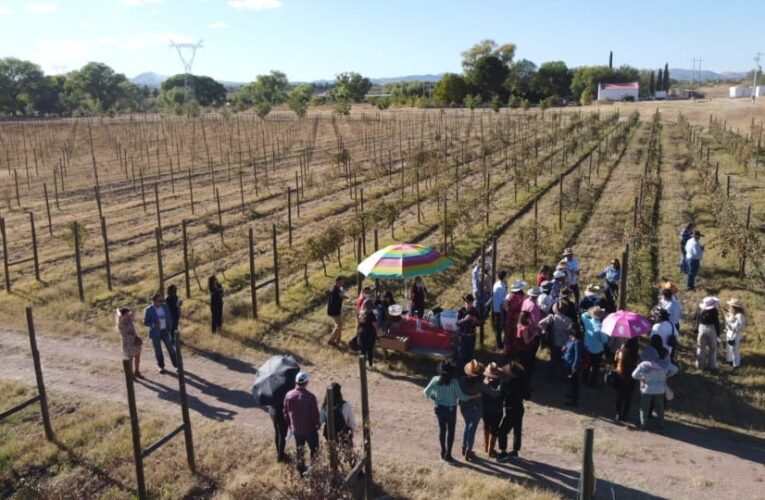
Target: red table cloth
427	338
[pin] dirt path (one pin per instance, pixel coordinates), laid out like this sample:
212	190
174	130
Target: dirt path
686	461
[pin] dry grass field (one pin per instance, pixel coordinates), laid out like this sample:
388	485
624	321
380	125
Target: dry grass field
354	175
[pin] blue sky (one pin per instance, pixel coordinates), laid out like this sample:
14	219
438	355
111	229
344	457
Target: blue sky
316	39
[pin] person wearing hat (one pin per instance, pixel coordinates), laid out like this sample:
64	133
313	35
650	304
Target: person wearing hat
512	308
652	373
668	300
591	298
468	318
611	276
572	311
694	252
498	299
572	271
301	413
708	329
544	274
367	336
545	300
418	294
527	342
492	407
481	293
445	392
558	284
559	326
335	299
666	330
594	342
735	323
685	234
626	360
514	391
472	408
573	355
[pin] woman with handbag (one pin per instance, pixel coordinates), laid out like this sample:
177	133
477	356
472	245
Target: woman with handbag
131	342
735	322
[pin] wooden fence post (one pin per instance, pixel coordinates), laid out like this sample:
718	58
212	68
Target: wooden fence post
359	276
727	189
587	479
188	438
191	193
77	260
445	227
331	438
136	430
35	254
289	215
186	276
107	260
39	376
623	278
160	273
742	267
276	263
481	298
253	292
220	214
47	208
366	429
143	191
6	267
156	205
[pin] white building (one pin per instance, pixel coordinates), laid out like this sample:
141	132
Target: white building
736	92
759	91
618	91
660	95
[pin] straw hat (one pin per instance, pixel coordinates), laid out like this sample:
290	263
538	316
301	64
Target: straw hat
563	264
517	286
492	371
567	252
534	292
559	274
735	302
708	303
591	289
395	310
473	368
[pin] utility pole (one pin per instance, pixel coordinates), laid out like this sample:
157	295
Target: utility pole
693	77
756	70
187	63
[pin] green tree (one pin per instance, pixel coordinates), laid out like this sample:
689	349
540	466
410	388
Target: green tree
652	84
486	48
97	83
471	101
487	77
665	79
588	77
520	77
264	93
204	89
610	59
660	80
21	84
451	89
552	79
299	99
351	86
496	103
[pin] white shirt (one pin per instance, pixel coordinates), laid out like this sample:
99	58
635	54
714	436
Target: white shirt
545	302
161	316
665	330
573	271
693	249
674	309
500	292
734	327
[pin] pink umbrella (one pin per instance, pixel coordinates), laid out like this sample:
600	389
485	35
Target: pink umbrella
625	324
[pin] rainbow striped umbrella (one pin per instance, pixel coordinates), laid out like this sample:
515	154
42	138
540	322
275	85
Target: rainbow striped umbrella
403	261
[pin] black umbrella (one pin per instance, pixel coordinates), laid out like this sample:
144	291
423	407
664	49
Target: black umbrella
274	380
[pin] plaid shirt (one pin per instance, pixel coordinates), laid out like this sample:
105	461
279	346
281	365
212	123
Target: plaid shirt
445	395
301	411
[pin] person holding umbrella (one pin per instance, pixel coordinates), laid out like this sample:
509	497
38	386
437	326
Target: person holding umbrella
301	412
273	380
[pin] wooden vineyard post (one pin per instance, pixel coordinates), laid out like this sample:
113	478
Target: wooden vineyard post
143	191
366	429
298	193
276	264
331	438
188	438
742	267
536	231
359	276
39	376
623	279
191	193
97	191
635	211
241	190
481	298
587	479
445	227
77	260
160	272
289	215
186	274
253	292
35	254
107	260
493	261
488	197
727	189
560	203
220	214
419	213
156	205
136	430
47	208
6	267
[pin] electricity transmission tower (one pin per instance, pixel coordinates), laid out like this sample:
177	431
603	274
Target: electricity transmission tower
756	70
187	63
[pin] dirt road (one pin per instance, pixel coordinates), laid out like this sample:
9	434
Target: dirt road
685	461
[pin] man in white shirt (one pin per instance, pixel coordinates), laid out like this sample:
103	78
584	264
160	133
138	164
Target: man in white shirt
666	331
158	318
572	271
694	252
498	298
545	300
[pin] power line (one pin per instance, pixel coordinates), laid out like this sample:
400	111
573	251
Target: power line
187	63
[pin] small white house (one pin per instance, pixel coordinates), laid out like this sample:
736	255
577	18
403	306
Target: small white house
660	95
759	91
618	91
738	92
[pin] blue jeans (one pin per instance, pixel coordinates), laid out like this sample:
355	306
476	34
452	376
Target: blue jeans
556	362
693	271
156	342
447	421
313	445
472	415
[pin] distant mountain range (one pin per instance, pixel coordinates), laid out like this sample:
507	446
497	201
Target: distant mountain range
152	79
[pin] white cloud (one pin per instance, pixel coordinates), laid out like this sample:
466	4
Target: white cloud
138	3
140	41
5	10
42	8
53	54
254	4
220	25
